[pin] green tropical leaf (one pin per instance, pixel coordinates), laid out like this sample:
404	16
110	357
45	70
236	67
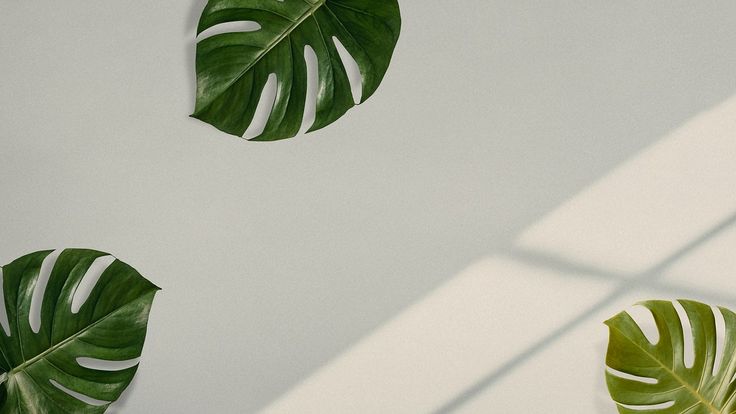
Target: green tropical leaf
653	378
232	68
41	365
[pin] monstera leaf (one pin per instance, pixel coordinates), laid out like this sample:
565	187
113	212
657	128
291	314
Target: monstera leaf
232	68
653	378
62	364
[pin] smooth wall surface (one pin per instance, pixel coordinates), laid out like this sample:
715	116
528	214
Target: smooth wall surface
281	262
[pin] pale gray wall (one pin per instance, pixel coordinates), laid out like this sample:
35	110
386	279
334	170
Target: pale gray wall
275	257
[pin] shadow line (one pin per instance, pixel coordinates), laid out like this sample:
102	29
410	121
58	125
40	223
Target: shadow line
575	270
642	279
562	265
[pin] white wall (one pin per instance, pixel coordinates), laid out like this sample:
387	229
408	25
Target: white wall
279	259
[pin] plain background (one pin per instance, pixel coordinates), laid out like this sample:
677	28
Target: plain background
274	258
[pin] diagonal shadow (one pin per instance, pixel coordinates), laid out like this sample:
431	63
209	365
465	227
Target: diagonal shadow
644	278
563	265
569	268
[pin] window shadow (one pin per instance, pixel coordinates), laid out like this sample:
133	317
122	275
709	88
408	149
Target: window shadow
625	286
526	288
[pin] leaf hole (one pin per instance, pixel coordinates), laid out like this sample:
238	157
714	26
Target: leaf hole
310	106
263	109
34	315
89	281
647	407
3	310
244	26
107	365
81	397
644	318
720	338
352	69
631	377
687	336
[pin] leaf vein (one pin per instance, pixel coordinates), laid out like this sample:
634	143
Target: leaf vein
269	48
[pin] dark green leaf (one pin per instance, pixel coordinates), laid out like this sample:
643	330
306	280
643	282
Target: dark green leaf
110	325
232	68
653	378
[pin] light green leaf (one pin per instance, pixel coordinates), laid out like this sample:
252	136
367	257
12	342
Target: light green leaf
232	68
653	378
40	363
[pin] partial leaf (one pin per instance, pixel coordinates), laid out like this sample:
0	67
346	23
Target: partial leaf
41	370
232	68
653	378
